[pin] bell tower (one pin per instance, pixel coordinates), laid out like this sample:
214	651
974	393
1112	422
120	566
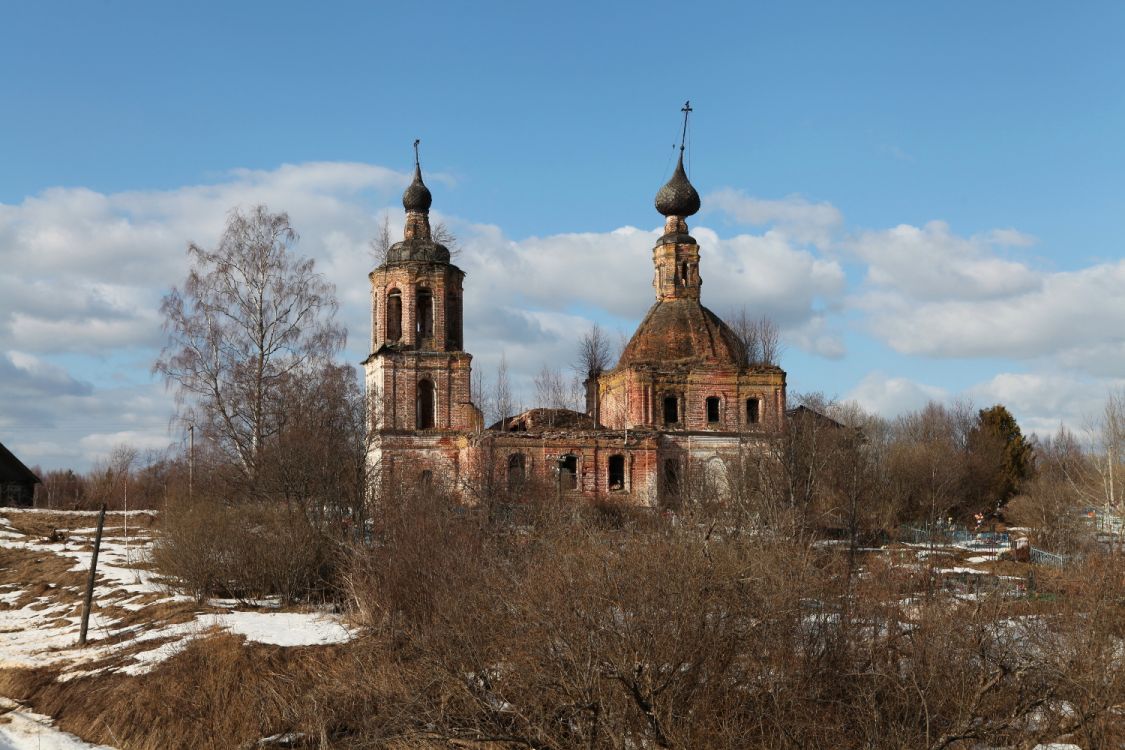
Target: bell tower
418	372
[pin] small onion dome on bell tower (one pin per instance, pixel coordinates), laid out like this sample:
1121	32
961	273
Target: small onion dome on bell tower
417	196
418	243
678	197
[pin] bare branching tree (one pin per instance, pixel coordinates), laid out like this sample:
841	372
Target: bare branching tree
251	315
502	401
381	243
594	358
443	235
1108	433
593	353
760	338
549	388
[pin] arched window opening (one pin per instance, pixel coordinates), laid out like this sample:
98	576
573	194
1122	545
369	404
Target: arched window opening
671	410
713	409
671	476
424	307
753	410
394	315
453	320
426	480
425	405
683	273
517	471
568	471
616	473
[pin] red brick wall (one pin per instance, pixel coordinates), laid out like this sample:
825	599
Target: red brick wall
392	381
635	397
491	452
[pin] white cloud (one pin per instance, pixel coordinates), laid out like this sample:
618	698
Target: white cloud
1040	401
793	216
1076	317
891	396
933	263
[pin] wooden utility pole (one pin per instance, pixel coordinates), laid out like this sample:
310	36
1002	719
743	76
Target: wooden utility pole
191	461
90	581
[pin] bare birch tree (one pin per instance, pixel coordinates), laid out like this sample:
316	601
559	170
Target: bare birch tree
502	400
250	316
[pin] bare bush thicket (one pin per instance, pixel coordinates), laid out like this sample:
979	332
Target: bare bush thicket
248	551
569	633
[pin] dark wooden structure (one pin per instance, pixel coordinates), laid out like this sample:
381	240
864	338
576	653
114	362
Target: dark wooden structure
17	482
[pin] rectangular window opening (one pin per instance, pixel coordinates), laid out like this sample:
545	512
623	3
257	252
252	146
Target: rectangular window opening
753	410
713	409
671	410
568	472
616	473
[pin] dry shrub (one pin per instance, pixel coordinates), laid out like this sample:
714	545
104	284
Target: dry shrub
245	551
1050	507
219	692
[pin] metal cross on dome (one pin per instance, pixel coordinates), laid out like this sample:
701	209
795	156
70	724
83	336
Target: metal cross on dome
686	109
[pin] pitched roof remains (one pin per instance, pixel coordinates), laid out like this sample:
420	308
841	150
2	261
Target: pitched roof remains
13	470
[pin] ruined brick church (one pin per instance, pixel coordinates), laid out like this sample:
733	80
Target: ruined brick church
680	404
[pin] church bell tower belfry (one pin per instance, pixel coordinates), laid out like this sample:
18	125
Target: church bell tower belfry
418	373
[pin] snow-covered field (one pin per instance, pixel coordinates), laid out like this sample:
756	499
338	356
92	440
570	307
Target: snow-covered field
40	612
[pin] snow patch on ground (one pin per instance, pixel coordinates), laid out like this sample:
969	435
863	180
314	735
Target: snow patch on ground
277	628
21	729
286	628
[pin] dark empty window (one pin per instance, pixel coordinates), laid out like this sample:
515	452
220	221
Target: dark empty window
568	471
753	410
671	410
424	306
671	476
426	479
394	315
517	470
617	472
425	410
713	409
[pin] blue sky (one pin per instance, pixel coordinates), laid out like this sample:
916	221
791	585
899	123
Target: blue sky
928	197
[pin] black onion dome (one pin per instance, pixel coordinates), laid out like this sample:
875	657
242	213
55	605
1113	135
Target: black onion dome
678	197
417	196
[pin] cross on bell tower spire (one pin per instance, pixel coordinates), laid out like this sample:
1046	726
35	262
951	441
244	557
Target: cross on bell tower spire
687	110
